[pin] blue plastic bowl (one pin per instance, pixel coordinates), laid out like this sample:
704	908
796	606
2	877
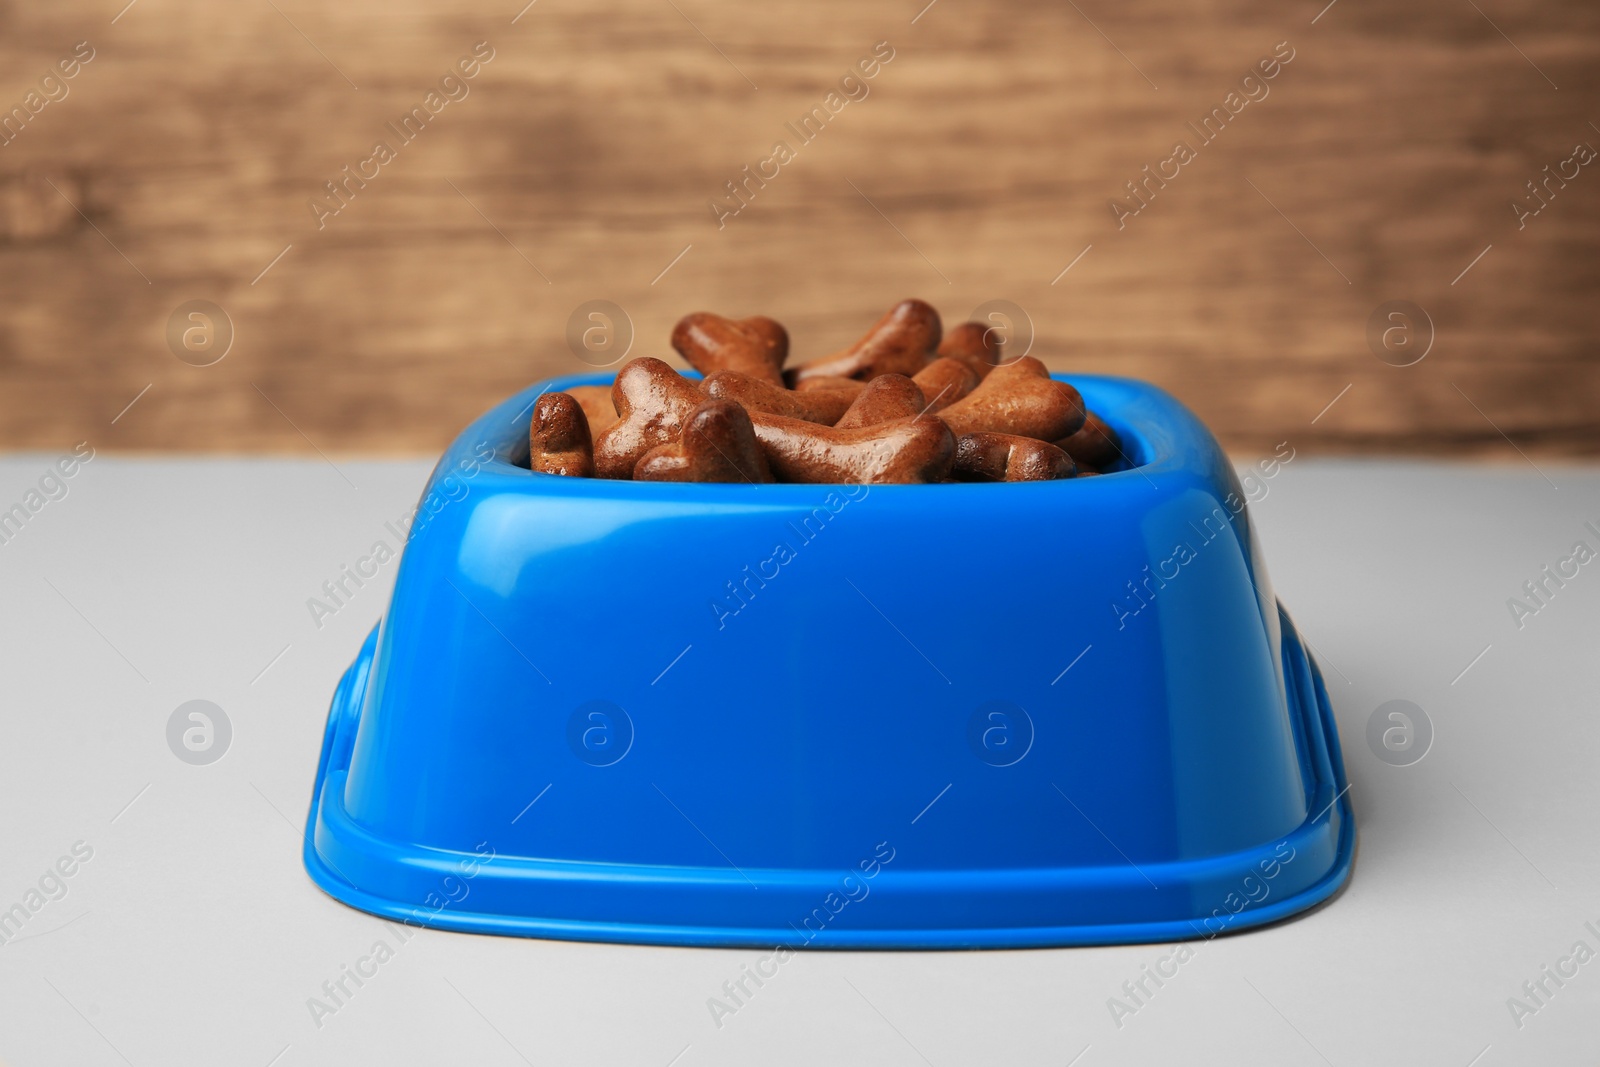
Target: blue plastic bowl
942	716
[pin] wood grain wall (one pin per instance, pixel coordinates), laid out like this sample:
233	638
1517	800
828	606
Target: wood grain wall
185	154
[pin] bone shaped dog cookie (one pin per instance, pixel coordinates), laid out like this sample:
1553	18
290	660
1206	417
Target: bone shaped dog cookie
1002	457
558	437
886	398
974	344
946	380
1095	444
756	394
596	403
902	342
652	402
917	449
755	346
850	387
1019	398
717	444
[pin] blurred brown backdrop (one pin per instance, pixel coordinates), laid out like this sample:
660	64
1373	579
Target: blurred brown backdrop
181	160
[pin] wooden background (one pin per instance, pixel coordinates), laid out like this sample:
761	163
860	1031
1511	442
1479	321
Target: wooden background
982	164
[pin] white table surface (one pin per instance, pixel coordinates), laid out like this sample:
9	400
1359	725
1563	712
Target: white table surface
193	936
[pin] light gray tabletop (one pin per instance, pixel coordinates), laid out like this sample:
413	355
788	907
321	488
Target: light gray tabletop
191	935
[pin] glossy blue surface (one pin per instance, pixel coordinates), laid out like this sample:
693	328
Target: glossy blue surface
845	716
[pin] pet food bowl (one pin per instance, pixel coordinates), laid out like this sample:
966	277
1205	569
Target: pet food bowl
929	716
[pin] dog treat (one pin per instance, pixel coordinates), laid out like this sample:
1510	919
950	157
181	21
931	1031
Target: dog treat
652	402
974	344
1019	398
915	449
718	444
755	346
946	380
1002	457
558	437
1094	445
755	394
597	406
906	403
848	386
886	398
902	342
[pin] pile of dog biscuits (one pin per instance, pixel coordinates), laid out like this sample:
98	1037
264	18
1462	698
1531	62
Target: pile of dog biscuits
906	403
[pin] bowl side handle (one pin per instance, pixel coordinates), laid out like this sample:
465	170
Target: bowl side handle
1310	698
344	714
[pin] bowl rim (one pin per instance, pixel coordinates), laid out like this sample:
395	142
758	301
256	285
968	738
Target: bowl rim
1167	441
